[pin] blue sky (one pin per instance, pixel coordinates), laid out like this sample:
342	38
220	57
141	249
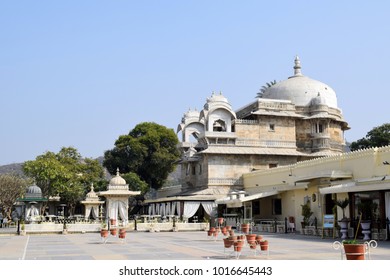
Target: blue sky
81	73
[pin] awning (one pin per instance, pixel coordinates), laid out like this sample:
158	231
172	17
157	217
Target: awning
341	188
238	202
330	174
180	198
259	195
356	187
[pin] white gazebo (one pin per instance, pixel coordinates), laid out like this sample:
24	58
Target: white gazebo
92	204
117	199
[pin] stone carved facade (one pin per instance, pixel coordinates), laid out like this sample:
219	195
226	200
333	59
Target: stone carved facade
295	120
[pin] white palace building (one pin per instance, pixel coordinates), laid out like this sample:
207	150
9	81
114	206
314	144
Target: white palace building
263	161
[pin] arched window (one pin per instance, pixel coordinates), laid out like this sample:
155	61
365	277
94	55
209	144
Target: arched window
219	125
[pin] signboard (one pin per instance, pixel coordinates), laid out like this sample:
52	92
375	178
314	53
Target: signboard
328	221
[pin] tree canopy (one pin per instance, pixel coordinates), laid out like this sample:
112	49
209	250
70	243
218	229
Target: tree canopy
149	151
377	137
65	174
12	187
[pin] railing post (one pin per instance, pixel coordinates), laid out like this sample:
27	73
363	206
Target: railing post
275	226
285	225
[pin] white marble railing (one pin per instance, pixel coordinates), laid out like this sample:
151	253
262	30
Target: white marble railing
223	181
266	143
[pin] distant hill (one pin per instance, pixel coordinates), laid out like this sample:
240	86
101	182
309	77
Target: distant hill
15	168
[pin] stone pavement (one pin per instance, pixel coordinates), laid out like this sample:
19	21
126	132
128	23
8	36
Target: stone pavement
167	246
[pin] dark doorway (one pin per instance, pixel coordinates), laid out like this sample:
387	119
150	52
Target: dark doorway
329	203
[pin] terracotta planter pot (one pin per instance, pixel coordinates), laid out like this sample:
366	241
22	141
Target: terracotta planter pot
245	228
228	243
122	233
238	245
224	231
112	222
264	245
231	232
113	231
104	233
233	238
354	251
250	237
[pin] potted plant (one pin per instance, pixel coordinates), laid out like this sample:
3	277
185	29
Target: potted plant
22	228
228	242
151	227
65	229
245	227
104	231
344	221
354	250
113	231
263	245
251	239
306	213
238	244
122	233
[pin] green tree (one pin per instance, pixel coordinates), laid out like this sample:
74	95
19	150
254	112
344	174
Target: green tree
12	186
377	137
265	87
135	182
149	150
65	174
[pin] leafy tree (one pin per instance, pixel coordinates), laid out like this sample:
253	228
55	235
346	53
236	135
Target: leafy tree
265	87
377	137
65	174
149	150
135	182
12	186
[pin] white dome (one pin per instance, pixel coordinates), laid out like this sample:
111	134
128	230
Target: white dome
301	90
34	192
217	101
117	180
91	196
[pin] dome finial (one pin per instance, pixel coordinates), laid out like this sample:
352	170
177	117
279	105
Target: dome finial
297	67
117	171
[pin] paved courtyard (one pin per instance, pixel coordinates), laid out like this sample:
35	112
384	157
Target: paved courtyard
167	246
